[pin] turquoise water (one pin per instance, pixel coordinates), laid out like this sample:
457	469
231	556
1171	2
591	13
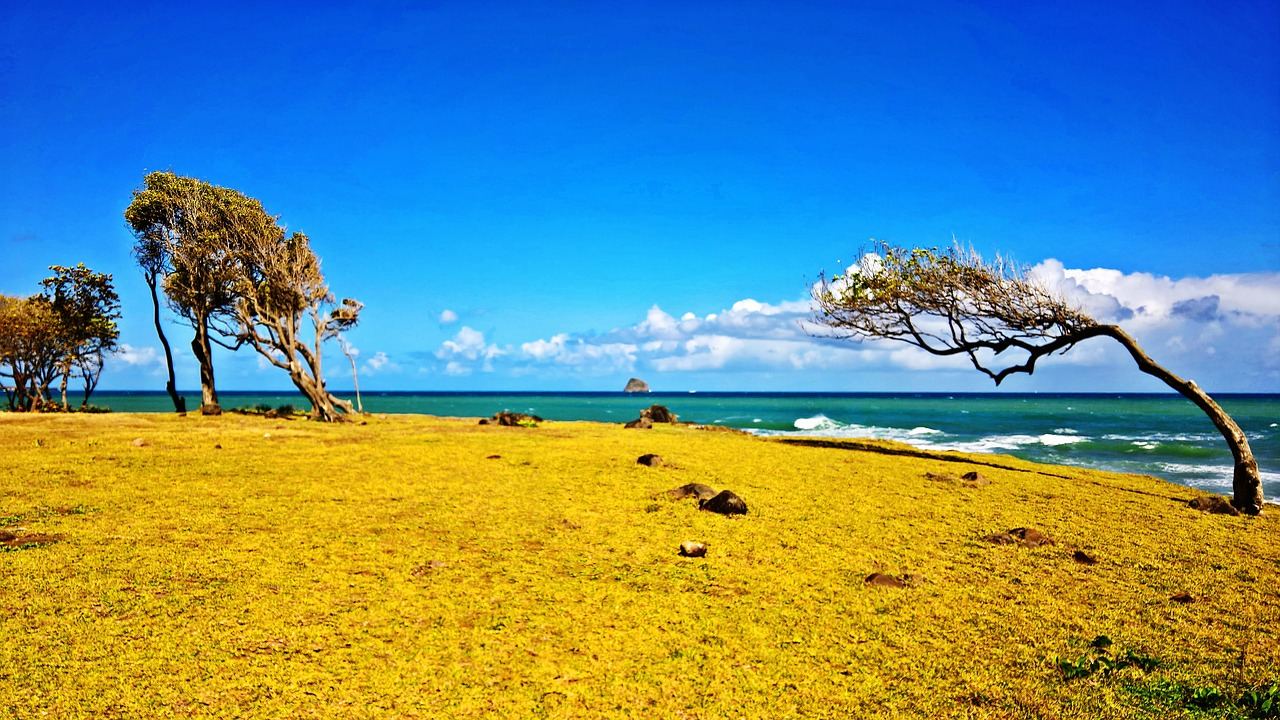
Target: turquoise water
1162	435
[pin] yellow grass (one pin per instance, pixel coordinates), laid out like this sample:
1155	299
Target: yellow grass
391	569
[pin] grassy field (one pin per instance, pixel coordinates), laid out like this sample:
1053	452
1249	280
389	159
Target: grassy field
432	568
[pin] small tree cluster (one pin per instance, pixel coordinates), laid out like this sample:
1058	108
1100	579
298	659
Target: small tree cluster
62	333
230	270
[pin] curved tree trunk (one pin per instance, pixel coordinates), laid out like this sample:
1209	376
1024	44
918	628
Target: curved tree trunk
170	386
203	350
325	406
1246	483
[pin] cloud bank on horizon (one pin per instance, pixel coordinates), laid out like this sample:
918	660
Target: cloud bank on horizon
1223	330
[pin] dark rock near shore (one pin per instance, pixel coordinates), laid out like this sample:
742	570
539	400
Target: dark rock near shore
726	503
975	478
660	414
692	490
507	418
1182	597
653	414
650	460
636	385
1215	504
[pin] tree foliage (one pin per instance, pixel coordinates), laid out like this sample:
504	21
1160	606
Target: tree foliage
954	303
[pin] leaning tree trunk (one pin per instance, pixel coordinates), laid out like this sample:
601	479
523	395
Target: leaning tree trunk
1246	484
325	407
170	386
203	349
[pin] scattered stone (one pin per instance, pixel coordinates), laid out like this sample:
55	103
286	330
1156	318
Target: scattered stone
492	457
1182	597
1026	537
266	436
483	421
969	479
640	423
726	503
424	570
882	580
1215	504
650	460
271	414
218	446
689	548
139	442
636	385
1084	558
692	490
18	542
364	422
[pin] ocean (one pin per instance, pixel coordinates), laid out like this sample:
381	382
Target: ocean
1161	435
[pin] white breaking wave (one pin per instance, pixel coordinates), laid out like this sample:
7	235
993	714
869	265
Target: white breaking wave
923	437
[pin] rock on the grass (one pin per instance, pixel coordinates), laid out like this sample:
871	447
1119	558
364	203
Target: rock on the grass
139	442
1084	558
725	503
1024	536
650	460
692	490
1214	504
641	423
882	580
690	548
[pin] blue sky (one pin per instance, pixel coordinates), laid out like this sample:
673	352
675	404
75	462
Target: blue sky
558	170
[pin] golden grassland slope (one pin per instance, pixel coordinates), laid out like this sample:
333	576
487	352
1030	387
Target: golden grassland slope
245	567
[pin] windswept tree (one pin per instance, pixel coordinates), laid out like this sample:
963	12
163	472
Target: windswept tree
284	307
86	308
954	303
180	225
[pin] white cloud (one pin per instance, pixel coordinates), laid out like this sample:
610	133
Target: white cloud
1185	322
137	356
448	317
468	346
380	362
